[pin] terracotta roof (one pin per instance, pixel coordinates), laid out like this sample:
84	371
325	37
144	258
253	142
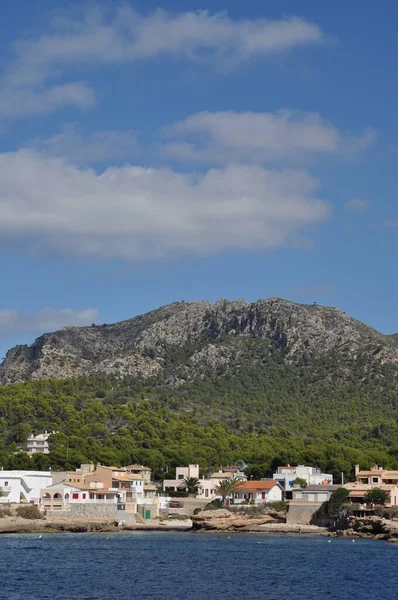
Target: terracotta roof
356	486
257	485
132	477
78	486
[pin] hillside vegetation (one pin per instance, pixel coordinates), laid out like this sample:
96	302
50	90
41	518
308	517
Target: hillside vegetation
272	382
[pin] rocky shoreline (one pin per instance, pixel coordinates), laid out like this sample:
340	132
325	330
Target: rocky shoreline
210	521
12	525
223	520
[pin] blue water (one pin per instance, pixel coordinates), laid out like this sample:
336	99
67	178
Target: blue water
189	566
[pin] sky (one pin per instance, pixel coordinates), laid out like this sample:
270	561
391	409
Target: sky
153	153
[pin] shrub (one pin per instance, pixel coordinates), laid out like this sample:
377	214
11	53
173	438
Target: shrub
278	506
197	511
377	496
214	505
5	512
29	511
301	482
336	501
387	512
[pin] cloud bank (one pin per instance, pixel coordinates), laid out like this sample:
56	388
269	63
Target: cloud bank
260	137
92	36
47	204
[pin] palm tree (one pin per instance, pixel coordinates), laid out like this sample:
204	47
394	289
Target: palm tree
228	487
190	485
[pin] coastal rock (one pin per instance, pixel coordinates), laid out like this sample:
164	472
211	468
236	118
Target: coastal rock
225	520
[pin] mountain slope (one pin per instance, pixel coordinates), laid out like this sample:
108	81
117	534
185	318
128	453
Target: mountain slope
158	344
270	382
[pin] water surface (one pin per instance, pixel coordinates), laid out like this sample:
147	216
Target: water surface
187	566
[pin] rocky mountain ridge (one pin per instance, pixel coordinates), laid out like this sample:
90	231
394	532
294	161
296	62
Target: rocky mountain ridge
142	346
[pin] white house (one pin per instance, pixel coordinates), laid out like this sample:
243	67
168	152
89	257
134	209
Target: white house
259	491
38	443
23	486
206	487
285	476
59	496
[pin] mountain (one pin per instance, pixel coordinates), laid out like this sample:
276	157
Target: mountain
394	338
270	382
175	343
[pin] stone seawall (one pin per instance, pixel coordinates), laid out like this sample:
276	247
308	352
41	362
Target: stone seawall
302	513
83	511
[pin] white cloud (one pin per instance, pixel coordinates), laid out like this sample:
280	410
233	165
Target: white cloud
93	35
259	137
357	205
47	204
26	101
81	148
48	319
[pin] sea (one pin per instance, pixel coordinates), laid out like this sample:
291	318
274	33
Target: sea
189	566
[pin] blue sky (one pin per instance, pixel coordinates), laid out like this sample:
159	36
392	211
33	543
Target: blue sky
152	153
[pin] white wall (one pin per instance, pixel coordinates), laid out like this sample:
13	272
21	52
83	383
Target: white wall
310	474
272	495
23	483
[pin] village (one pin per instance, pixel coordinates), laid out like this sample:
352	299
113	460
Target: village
129	495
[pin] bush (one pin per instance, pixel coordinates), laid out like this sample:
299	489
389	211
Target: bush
377	496
278	506
5	512
387	512
214	505
197	511
301	482
336	501
29	511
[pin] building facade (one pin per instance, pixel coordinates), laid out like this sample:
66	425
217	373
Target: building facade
376	477
38	443
286	475
206	486
258	492
23	486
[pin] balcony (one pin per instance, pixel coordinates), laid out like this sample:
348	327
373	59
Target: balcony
5	488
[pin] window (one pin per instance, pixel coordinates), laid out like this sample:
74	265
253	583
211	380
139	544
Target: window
181	477
84	496
6	483
375	480
75	496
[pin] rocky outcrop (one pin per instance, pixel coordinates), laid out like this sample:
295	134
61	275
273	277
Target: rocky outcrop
223	520
180	339
370	527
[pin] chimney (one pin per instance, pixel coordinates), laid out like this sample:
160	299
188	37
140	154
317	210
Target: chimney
356	470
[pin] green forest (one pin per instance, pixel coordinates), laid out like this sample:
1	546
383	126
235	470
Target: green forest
328	413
